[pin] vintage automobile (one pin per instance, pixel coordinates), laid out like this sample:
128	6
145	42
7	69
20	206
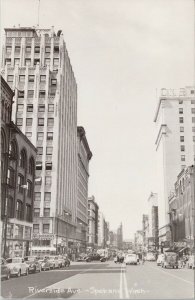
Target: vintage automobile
45	264
103	259
66	261
5	271
191	262
160	259
17	266
170	260
150	256
130	259
33	263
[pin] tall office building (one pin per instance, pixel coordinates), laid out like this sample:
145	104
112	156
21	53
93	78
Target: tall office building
93	220
175	125
37	66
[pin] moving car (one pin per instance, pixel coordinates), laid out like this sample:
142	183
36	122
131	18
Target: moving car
17	266
150	256
170	260
5	271
160	259
130	259
45	264
33	264
191	262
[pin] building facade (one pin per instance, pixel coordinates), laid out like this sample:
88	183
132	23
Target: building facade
175	127
84	156
37	66
93	213
138	241
145	231
153	221
120	237
18	157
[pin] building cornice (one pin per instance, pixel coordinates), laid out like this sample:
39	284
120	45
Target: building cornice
81	133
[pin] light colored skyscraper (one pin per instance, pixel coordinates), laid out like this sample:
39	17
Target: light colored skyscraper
175	125
37	66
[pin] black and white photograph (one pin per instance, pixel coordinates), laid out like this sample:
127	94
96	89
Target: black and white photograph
97	149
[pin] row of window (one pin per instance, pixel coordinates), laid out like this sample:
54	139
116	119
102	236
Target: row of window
31	78
40	136
41	107
192	101
29	121
39	165
192	110
46	212
182	129
20	211
36	228
28	49
181	120
49	150
30	94
36	61
47	195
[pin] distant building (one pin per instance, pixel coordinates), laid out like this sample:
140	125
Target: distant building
101	230
152	221
18	157
120	237
93	213
138	241
128	244
84	156
175	126
145	230
113	240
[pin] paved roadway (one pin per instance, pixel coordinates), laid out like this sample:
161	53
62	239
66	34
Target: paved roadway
103	281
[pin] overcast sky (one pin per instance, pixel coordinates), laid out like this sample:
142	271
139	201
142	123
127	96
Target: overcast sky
121	51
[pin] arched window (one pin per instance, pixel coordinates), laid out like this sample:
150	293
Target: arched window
29	189
10	207
31	166
23	159
2	110
19	210
13	150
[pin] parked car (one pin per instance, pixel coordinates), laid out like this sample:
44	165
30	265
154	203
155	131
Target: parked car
130	259
150	256
54	262
5	271
61	261
66	261
33	264
45	264
103	259
170	260
160	259
17	266
191	262
94	256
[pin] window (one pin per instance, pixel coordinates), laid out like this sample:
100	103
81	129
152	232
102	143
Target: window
45	228
181	129
50	121
48	166
8	61
50	136
37	196
41	108
10	177
46	212
193	138
56	61
31	78
40	136
56	49
39	150
50	107
30	94
54	82
27	61
19	209
30	108
47	196
20	94
10	78
29	121
181	120
28	213
47	180
182	157
47	49
16	61
181	138
36	61
193	110
29	188
40	121
8	49
49	150
193	129
23	159
42	94
19	121
29	135
181	110
192	101
180	101
43	78
37	49
20	107
31	166
36	212
35	228
10	207
38	165
28	49
17	49
182	148
192	91
47	61
20	183
193	119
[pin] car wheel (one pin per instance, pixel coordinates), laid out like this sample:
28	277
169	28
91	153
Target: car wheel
26	272
8	276
19	273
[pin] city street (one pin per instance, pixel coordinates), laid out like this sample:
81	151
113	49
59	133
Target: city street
104	281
